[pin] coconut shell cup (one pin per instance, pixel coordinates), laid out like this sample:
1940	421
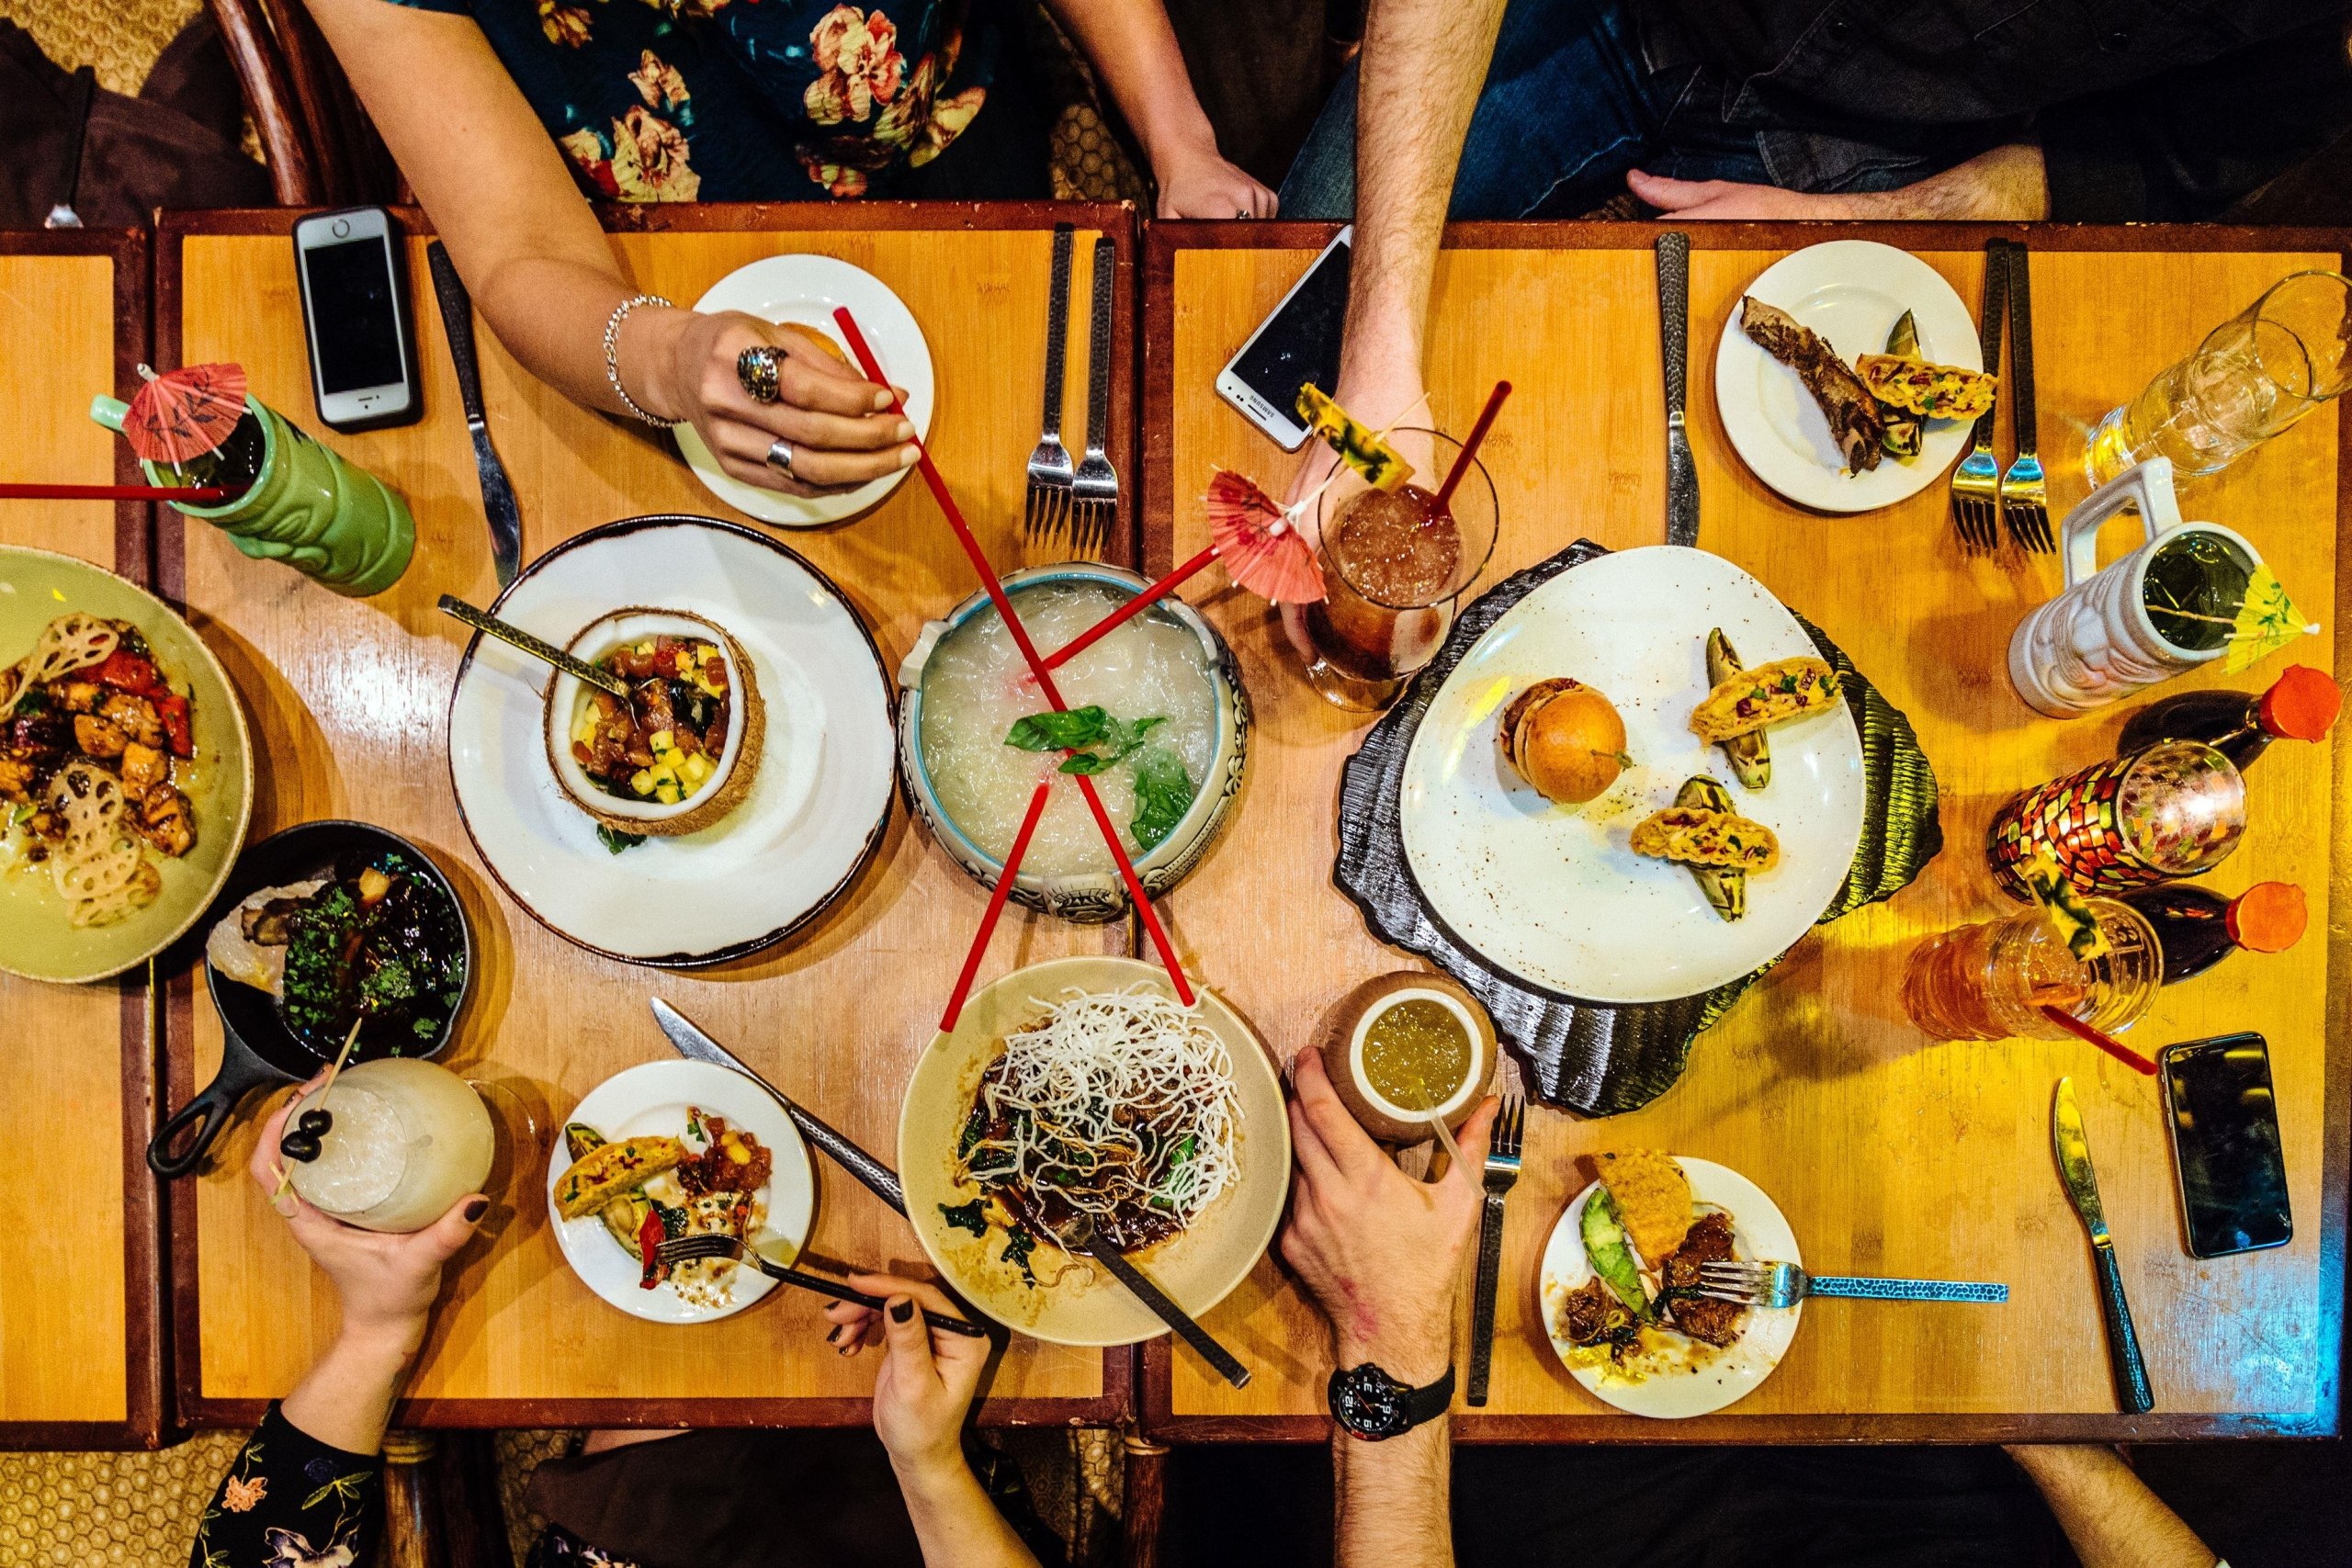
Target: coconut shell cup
1342	1043
739	764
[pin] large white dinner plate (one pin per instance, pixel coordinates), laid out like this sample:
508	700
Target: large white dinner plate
650	1100
1554	894
806	290
1759	1234
1851	292
814	814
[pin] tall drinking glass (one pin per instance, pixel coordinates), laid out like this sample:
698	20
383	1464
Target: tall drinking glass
1395	568
2256	374
1991	981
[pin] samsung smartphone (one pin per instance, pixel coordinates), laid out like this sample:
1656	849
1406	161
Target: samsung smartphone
1298	344
355	317
2225	1145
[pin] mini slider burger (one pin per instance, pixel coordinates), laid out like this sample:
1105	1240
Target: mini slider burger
1565	740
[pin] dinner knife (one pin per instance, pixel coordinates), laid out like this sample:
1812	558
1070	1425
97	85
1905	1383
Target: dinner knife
691	1042
1674	349
2074	1149
497	492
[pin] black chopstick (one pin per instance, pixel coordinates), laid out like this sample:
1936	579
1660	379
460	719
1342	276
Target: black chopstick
839	1292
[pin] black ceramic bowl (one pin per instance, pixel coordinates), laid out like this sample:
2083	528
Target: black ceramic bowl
256	1047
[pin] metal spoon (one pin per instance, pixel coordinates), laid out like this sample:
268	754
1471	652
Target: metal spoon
481	621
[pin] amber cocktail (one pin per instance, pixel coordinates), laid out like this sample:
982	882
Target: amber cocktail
1991	981
1395	568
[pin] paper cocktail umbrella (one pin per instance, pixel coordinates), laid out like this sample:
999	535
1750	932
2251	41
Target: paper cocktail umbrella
1259	543
183	414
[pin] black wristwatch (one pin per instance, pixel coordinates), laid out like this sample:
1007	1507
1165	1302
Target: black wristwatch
1371	1404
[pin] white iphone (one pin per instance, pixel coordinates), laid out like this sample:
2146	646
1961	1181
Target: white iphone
355	317
1296	344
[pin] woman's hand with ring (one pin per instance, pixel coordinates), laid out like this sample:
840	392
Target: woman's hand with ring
838	426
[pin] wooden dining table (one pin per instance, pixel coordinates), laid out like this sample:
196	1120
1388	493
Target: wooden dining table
1889	1152
348	699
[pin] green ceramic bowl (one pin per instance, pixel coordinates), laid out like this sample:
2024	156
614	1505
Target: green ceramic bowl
36	587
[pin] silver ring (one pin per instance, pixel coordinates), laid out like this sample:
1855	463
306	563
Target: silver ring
780	459
755	368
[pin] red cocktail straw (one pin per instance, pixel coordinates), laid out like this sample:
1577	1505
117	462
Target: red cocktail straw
1133	606
873	370
1470	445
997	897
116	492
2099	1037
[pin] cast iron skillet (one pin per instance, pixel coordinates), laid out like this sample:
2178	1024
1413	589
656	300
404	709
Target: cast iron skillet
256	1048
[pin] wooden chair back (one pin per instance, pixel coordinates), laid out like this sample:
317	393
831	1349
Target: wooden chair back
321	149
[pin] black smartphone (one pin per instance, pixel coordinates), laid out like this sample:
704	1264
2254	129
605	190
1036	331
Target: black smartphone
1297	344
357	320
2225	1145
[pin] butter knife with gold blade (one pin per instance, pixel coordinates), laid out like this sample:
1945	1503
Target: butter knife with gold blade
2074	1150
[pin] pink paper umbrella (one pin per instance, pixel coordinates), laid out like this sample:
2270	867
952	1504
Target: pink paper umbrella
182	414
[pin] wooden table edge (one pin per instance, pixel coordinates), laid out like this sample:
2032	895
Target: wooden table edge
145	1423
1155	1416
192	1405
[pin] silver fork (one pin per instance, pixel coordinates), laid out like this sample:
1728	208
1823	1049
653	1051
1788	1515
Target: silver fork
1976	484
1047	510
1501	1175
1098	483
688	1249
1785	1284
2025	499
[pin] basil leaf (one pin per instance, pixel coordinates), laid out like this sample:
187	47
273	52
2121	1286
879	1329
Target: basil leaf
1085	762
614	841
1164	793
1069	731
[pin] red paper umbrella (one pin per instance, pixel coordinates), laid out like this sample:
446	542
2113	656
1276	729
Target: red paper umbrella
1259	543
182	414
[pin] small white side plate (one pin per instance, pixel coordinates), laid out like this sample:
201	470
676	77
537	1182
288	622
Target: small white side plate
1851	292
651	1099
1758	1233
1554	894
806	290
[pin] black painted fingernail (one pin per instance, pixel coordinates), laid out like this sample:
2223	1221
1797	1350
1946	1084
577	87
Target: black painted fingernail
476	1209
902	1312
833	1335
845	1349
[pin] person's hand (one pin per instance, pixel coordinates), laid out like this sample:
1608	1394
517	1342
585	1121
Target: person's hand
385	1282
1730	200
928	1375
1197	181
1380	1252
835	422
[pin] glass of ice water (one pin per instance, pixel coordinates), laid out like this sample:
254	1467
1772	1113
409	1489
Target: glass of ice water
2254	374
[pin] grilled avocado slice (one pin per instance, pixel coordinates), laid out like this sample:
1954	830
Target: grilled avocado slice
1750	755
1726	890
625	1216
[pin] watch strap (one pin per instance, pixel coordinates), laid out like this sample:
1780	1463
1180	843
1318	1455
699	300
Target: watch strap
1429	1403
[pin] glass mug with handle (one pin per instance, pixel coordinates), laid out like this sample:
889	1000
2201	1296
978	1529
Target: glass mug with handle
2253	376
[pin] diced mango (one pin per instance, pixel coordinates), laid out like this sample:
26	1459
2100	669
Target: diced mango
641	781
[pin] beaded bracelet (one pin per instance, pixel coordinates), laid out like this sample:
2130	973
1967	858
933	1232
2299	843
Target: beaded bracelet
613	353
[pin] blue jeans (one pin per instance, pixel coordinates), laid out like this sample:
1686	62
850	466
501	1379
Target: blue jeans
1569	105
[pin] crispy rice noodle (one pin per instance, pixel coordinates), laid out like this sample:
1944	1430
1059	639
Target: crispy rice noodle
1129	1102
100	871
68	643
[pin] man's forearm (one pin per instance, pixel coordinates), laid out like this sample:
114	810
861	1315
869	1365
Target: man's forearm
2006	185
1419	75
1395	1499
2110	1517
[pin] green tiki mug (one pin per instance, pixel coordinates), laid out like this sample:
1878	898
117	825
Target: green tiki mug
307	508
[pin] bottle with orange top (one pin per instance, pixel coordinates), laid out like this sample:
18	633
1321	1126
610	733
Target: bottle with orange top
2198	927
2301	705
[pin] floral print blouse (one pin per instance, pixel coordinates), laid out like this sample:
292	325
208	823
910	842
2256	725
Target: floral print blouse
744	100
290	1501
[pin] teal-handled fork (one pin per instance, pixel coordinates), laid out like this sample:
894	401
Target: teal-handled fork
1976	482
1785	1284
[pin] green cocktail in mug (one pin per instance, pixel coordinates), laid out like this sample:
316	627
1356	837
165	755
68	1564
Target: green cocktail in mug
302	503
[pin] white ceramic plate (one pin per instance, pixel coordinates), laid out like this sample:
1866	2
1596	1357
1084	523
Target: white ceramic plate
1716	1379
807	289
1851	292
651	1099
814	814
1554	894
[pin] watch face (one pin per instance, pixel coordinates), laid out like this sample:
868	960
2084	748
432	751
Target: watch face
1370	1403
